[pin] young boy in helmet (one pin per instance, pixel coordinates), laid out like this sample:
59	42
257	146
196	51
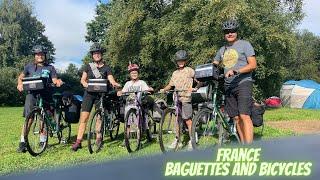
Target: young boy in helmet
238	59
39	67
182	79
135	84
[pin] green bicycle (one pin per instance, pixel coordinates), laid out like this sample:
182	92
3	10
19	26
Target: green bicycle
211	120
41	122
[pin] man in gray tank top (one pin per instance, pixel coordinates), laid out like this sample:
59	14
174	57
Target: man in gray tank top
237	58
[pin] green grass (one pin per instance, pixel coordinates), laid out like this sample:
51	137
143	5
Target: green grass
60	156
291	114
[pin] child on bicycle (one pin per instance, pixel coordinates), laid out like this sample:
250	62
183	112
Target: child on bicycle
182	79
135	84
39	67
92	98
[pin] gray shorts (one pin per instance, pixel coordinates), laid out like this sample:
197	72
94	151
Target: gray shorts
186	110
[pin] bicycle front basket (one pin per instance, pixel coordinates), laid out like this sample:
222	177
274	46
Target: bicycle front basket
33	83
206	72
97	85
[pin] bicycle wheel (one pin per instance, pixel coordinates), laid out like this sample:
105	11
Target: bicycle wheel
150	130
204	128
35	133
64	131
170	131
113	126
96	132
132	130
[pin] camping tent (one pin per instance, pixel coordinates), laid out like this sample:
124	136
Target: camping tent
301	94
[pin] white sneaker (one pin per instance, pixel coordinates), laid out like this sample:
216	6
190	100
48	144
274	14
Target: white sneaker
174	144
189	146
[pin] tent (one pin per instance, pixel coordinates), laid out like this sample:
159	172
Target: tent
301	94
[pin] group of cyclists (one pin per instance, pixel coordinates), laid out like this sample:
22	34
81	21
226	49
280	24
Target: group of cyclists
237	57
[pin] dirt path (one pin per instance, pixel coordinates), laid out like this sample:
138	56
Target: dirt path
299	126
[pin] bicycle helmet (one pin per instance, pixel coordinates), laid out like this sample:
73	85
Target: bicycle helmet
96	47
181	55
133	67
230	25
39	49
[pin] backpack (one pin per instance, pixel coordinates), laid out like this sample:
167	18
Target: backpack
273	102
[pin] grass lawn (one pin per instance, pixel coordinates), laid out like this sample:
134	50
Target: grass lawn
59	156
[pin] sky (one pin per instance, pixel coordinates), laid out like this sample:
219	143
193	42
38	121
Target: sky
65	22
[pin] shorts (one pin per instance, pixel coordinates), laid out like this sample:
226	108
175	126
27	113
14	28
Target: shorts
186	110
31	100
88	100
239	99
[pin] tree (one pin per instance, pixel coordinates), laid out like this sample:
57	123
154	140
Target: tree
150	32
20	31
72	79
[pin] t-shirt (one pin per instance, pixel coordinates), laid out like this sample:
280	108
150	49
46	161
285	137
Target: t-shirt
182	79
132	86
45	71
235	57
104	70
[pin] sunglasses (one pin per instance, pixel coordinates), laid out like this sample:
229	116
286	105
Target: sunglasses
229	31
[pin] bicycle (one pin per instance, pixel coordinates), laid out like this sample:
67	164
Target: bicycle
136	122
104	120
211	120
172	126
41	122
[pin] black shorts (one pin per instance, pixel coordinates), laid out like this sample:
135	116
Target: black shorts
31	100
239	99
88	100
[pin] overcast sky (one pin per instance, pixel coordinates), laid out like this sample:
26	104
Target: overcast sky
65	22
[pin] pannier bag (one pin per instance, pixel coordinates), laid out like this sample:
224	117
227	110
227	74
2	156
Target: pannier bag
72	109
33	83
97	85
206	72
257	114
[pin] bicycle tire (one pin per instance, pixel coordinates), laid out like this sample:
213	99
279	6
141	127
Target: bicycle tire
39	127
203	129
93	144
169	131
113	126
132	130
64	132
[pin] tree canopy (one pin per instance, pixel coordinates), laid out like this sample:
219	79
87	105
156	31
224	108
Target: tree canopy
150	32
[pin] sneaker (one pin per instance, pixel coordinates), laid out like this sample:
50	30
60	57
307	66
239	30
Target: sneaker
99	142
173	145
189	146
76	146
22	147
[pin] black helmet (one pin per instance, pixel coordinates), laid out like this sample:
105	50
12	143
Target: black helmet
230	24
181	55
96	47
38	49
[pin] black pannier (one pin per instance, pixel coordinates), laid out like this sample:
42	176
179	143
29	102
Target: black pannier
207	72
257	114
97	85
34	83
72	104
